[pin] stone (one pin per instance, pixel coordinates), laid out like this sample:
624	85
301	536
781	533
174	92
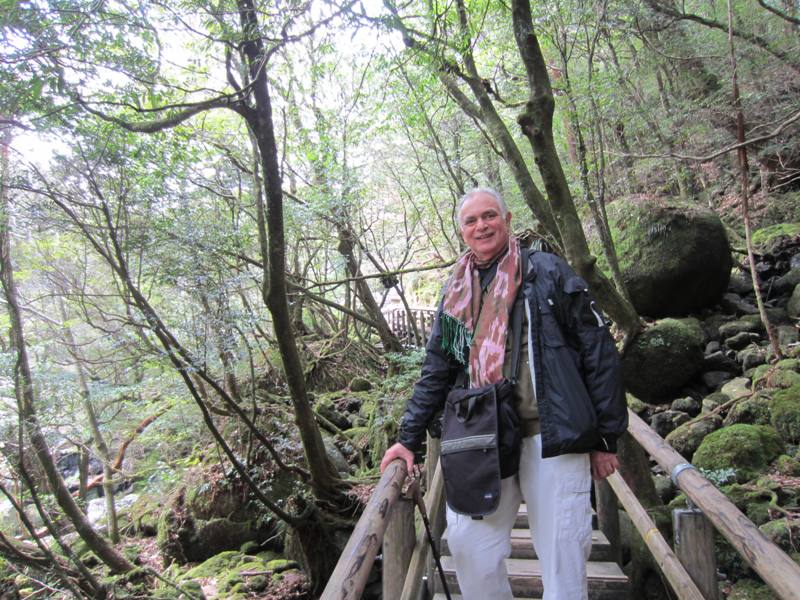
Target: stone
712	401
360	384
793	307
712	347
751	357
674	256
334	454
733	328
663	358
719	361
748	449
780	532
687	405
787	466
741	340
740	284
687	438
787	334
736	305
327	409
786	282
785	413
736	388
666	421
640	408
664	488
713	380
753	411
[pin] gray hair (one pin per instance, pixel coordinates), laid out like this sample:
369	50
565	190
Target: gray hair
489	192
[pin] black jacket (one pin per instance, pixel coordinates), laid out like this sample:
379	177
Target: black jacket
573	359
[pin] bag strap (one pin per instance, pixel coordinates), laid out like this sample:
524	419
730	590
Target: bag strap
516	318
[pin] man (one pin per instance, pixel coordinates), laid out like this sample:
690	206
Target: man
569	398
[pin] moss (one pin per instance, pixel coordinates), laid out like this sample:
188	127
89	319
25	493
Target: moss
635	404
250	547
787	466
754	411
782	532
746	448
747	589
785	410
764	238
219	563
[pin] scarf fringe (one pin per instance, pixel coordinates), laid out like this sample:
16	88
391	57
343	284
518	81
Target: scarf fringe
456	338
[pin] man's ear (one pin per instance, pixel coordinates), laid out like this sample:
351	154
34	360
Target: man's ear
508	218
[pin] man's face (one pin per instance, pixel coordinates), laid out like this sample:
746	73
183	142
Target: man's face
483	227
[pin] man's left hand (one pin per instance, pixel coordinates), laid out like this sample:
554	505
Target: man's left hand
603	464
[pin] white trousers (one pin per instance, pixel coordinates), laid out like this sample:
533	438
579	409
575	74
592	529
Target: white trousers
556	491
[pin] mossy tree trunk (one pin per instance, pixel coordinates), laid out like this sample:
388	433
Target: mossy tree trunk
537	125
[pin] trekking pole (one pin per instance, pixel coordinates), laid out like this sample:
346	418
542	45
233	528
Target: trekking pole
413	488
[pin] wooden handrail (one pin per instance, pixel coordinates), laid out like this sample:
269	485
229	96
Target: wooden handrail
777	570
350	575
673	570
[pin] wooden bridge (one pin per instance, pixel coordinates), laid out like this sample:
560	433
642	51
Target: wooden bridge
412	326
388	525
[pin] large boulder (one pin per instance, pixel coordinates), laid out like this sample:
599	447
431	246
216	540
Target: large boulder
746	448
687	438
785	414
674	257
663	358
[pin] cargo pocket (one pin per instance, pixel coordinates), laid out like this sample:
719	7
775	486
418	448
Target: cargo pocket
576	507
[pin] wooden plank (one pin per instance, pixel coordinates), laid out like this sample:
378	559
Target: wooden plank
666	560
522	547
694	547
773	565
606	580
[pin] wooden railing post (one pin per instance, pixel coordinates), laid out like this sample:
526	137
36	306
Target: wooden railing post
350	575
694	547
608	517
398	544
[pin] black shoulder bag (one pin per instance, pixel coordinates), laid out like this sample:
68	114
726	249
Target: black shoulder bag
481	436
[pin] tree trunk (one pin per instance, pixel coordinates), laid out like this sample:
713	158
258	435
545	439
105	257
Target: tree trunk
26	402
537	125
325	481
347	250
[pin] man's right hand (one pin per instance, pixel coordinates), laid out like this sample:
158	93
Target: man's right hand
398	451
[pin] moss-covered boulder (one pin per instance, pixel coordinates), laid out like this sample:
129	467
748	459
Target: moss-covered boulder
182	537
663	358
766	237
785	413
674	256
687	438
754	411
746	448
783	532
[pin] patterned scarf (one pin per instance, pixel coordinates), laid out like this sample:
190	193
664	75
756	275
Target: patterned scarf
474	332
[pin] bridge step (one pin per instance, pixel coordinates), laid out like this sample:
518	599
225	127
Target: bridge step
522	547
606	579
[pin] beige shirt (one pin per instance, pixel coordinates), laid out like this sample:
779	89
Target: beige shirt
524	401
